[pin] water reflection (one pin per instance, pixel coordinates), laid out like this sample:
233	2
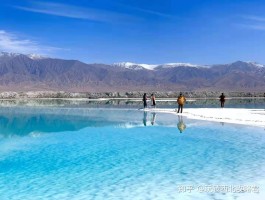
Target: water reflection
22	117
145	118
24	124
22	121
181	125
153	119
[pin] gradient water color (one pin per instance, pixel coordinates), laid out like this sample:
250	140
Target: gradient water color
89	153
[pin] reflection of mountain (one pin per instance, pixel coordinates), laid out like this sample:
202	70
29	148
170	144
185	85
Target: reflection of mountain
22	121
26	124
25	120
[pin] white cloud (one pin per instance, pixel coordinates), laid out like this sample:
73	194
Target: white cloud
255	27
11	42
70	11
253	22
254	18
152	12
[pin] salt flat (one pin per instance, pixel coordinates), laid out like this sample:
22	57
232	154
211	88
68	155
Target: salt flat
254	117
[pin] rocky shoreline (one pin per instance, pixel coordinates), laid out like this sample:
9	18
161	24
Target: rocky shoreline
94	95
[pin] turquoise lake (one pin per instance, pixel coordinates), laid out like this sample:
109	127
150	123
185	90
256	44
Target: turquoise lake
71	151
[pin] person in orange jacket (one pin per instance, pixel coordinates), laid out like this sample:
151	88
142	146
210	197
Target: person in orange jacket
181	101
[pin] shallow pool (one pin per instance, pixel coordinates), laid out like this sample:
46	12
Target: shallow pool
89	153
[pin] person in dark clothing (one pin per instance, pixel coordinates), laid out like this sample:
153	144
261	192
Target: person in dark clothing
222	100
145	100
181	101
153	99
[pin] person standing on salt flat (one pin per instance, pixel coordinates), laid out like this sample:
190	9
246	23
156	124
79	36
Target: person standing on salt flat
222	100
181	101
153	99
145	100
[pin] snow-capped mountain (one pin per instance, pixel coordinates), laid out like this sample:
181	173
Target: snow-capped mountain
255	64
12	55
179	65
36	56
7	54
173	65
135	66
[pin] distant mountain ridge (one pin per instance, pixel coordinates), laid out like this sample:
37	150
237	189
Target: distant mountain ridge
19	72
12	55
136	66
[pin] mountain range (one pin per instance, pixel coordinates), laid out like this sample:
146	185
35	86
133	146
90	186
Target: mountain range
20	72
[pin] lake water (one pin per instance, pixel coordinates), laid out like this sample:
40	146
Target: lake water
71	151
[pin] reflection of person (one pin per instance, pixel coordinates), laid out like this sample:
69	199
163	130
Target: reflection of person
145	100
181	125
181	100
153	99
145	118
222	100
153	118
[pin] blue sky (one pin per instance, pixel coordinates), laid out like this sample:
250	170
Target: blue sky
142	31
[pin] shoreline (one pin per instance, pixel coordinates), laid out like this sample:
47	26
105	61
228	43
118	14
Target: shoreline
245	116
134	98
253	117
127	95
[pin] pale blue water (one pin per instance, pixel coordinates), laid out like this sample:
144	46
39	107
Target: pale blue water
86	153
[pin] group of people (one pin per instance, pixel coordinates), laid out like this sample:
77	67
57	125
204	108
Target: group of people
181	101
153	100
